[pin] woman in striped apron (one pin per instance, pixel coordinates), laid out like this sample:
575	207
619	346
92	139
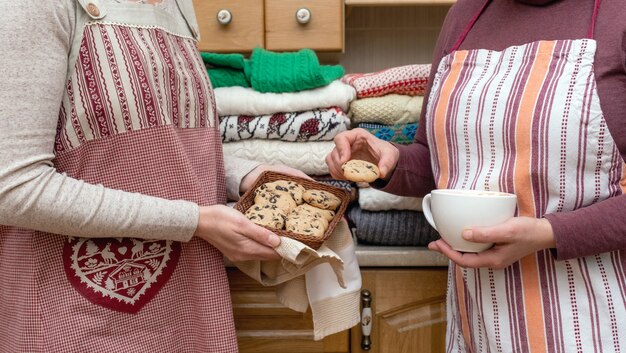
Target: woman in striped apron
113	223
525	117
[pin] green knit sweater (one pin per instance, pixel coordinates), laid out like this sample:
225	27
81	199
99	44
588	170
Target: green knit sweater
268	71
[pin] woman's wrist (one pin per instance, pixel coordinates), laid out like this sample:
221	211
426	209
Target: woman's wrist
546	234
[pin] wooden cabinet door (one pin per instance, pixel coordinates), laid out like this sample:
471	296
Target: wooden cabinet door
244	32
323	32
409	311
265	326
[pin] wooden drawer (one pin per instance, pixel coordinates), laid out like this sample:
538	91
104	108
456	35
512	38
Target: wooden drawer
266	326
324	31
244	32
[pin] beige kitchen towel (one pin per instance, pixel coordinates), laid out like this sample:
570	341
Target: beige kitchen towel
388	110
327	279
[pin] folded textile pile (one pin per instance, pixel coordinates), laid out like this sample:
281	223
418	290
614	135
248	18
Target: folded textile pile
268	71
392	228
311	125
279	108
402	134
388	105
371	199
410	80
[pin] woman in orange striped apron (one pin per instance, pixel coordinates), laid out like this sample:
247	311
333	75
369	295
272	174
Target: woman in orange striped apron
524	119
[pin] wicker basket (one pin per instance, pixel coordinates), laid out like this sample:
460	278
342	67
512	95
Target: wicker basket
247	200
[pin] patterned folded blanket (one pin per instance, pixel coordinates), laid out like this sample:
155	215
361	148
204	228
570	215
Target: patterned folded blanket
371	199
399	133
312	125
398	228
410	80
246	101
309	157
389	110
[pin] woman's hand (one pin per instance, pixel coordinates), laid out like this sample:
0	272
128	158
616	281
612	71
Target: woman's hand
361	144
248	181
238	238
513	239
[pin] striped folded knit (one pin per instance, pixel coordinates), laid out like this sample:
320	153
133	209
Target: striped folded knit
399	133
398	228
410	80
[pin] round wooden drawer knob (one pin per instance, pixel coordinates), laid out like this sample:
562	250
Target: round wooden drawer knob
224	17
303	15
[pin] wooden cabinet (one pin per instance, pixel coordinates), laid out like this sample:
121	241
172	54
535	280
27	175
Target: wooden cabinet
408	311
408	307
265	326
277	25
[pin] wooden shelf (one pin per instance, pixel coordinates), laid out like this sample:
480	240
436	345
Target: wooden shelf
397	2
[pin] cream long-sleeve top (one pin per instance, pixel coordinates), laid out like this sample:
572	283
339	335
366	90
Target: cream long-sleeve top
35	42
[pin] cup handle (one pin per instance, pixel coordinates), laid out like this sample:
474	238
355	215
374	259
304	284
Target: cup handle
426	211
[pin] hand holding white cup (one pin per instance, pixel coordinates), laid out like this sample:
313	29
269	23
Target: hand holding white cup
450	212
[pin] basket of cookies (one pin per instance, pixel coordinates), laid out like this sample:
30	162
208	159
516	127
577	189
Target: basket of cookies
301	209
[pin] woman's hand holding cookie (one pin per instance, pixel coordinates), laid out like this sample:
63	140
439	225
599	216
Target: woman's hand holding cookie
361	144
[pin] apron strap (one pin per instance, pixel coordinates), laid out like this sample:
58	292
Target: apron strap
93	8
457	44
186	8
469	26
594	17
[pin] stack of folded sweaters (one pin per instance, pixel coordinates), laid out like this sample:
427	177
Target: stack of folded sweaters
389	104
280	108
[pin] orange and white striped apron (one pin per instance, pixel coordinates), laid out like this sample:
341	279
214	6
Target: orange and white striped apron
527	120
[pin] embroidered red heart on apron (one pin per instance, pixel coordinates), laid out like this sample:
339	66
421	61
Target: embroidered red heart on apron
121	274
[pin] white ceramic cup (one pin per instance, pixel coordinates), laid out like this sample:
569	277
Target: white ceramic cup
450	212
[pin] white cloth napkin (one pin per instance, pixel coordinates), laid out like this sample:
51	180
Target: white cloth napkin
246	101
327	279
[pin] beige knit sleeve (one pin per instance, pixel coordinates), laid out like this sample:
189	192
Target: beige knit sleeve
35	40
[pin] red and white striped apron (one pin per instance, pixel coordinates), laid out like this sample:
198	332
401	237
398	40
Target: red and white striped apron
138	114
527	120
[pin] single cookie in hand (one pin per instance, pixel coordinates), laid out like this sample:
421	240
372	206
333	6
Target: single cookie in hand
294	189
360	171
281	199
318	212
321	199
266	215
306	226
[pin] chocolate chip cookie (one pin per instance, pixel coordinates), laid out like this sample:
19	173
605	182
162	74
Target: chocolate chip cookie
282	200
307	225
294	189
321	199
317	212
267	215
360	171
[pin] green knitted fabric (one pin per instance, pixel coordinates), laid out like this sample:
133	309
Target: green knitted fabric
225	70
288	72
267	71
